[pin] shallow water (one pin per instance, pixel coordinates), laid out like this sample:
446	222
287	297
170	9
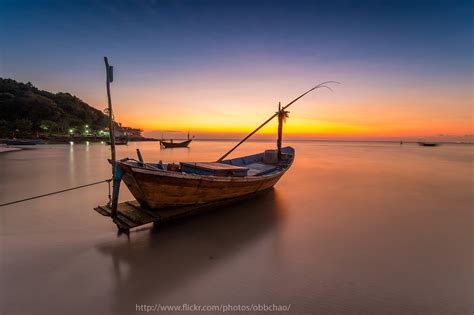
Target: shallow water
352	228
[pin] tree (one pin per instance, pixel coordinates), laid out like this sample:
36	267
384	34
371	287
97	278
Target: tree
4	128
48	126
27	109
23	125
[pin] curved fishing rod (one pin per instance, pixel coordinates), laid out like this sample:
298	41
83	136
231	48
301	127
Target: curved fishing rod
321	85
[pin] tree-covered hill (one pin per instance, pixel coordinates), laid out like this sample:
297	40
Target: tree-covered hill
25	109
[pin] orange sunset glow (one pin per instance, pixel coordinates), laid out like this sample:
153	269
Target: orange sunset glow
366	105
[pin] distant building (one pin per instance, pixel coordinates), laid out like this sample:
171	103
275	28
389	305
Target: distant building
134	132
120	131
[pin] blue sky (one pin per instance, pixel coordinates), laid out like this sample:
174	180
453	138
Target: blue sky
59	45
435	32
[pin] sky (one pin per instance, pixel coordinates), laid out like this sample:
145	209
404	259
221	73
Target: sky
219	68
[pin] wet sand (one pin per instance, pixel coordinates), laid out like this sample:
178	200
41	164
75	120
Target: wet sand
352	228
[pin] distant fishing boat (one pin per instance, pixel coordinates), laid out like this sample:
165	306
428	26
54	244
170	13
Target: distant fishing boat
173	144
119	141
20	142
428	144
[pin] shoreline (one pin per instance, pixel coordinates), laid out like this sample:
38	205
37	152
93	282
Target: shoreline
66	140
5	149
102	140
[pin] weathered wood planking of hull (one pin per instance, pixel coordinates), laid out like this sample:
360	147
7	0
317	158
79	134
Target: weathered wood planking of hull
154	187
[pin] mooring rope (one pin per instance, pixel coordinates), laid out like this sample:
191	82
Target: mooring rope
57	192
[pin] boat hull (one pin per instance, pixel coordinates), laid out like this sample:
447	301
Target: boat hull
163	189
183	144
20	142
118	142
428	144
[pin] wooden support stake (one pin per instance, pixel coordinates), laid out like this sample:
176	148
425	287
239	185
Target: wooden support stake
108	75
140	158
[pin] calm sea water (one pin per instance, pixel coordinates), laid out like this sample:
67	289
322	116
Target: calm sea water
352	228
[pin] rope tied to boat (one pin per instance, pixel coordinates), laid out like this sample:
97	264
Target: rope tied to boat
58	192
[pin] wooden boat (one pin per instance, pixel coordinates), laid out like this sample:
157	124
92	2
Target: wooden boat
175	190
20	142
428	144
172	144
160	185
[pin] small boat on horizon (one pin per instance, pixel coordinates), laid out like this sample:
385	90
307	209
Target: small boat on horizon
428	144
172	144
20	141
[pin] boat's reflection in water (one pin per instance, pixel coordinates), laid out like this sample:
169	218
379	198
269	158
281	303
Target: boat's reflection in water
160	259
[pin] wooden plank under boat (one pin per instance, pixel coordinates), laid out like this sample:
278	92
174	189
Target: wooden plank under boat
130	214
157	186
172	144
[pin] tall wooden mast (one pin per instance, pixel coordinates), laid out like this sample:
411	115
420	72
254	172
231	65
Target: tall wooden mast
281	110
281	117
